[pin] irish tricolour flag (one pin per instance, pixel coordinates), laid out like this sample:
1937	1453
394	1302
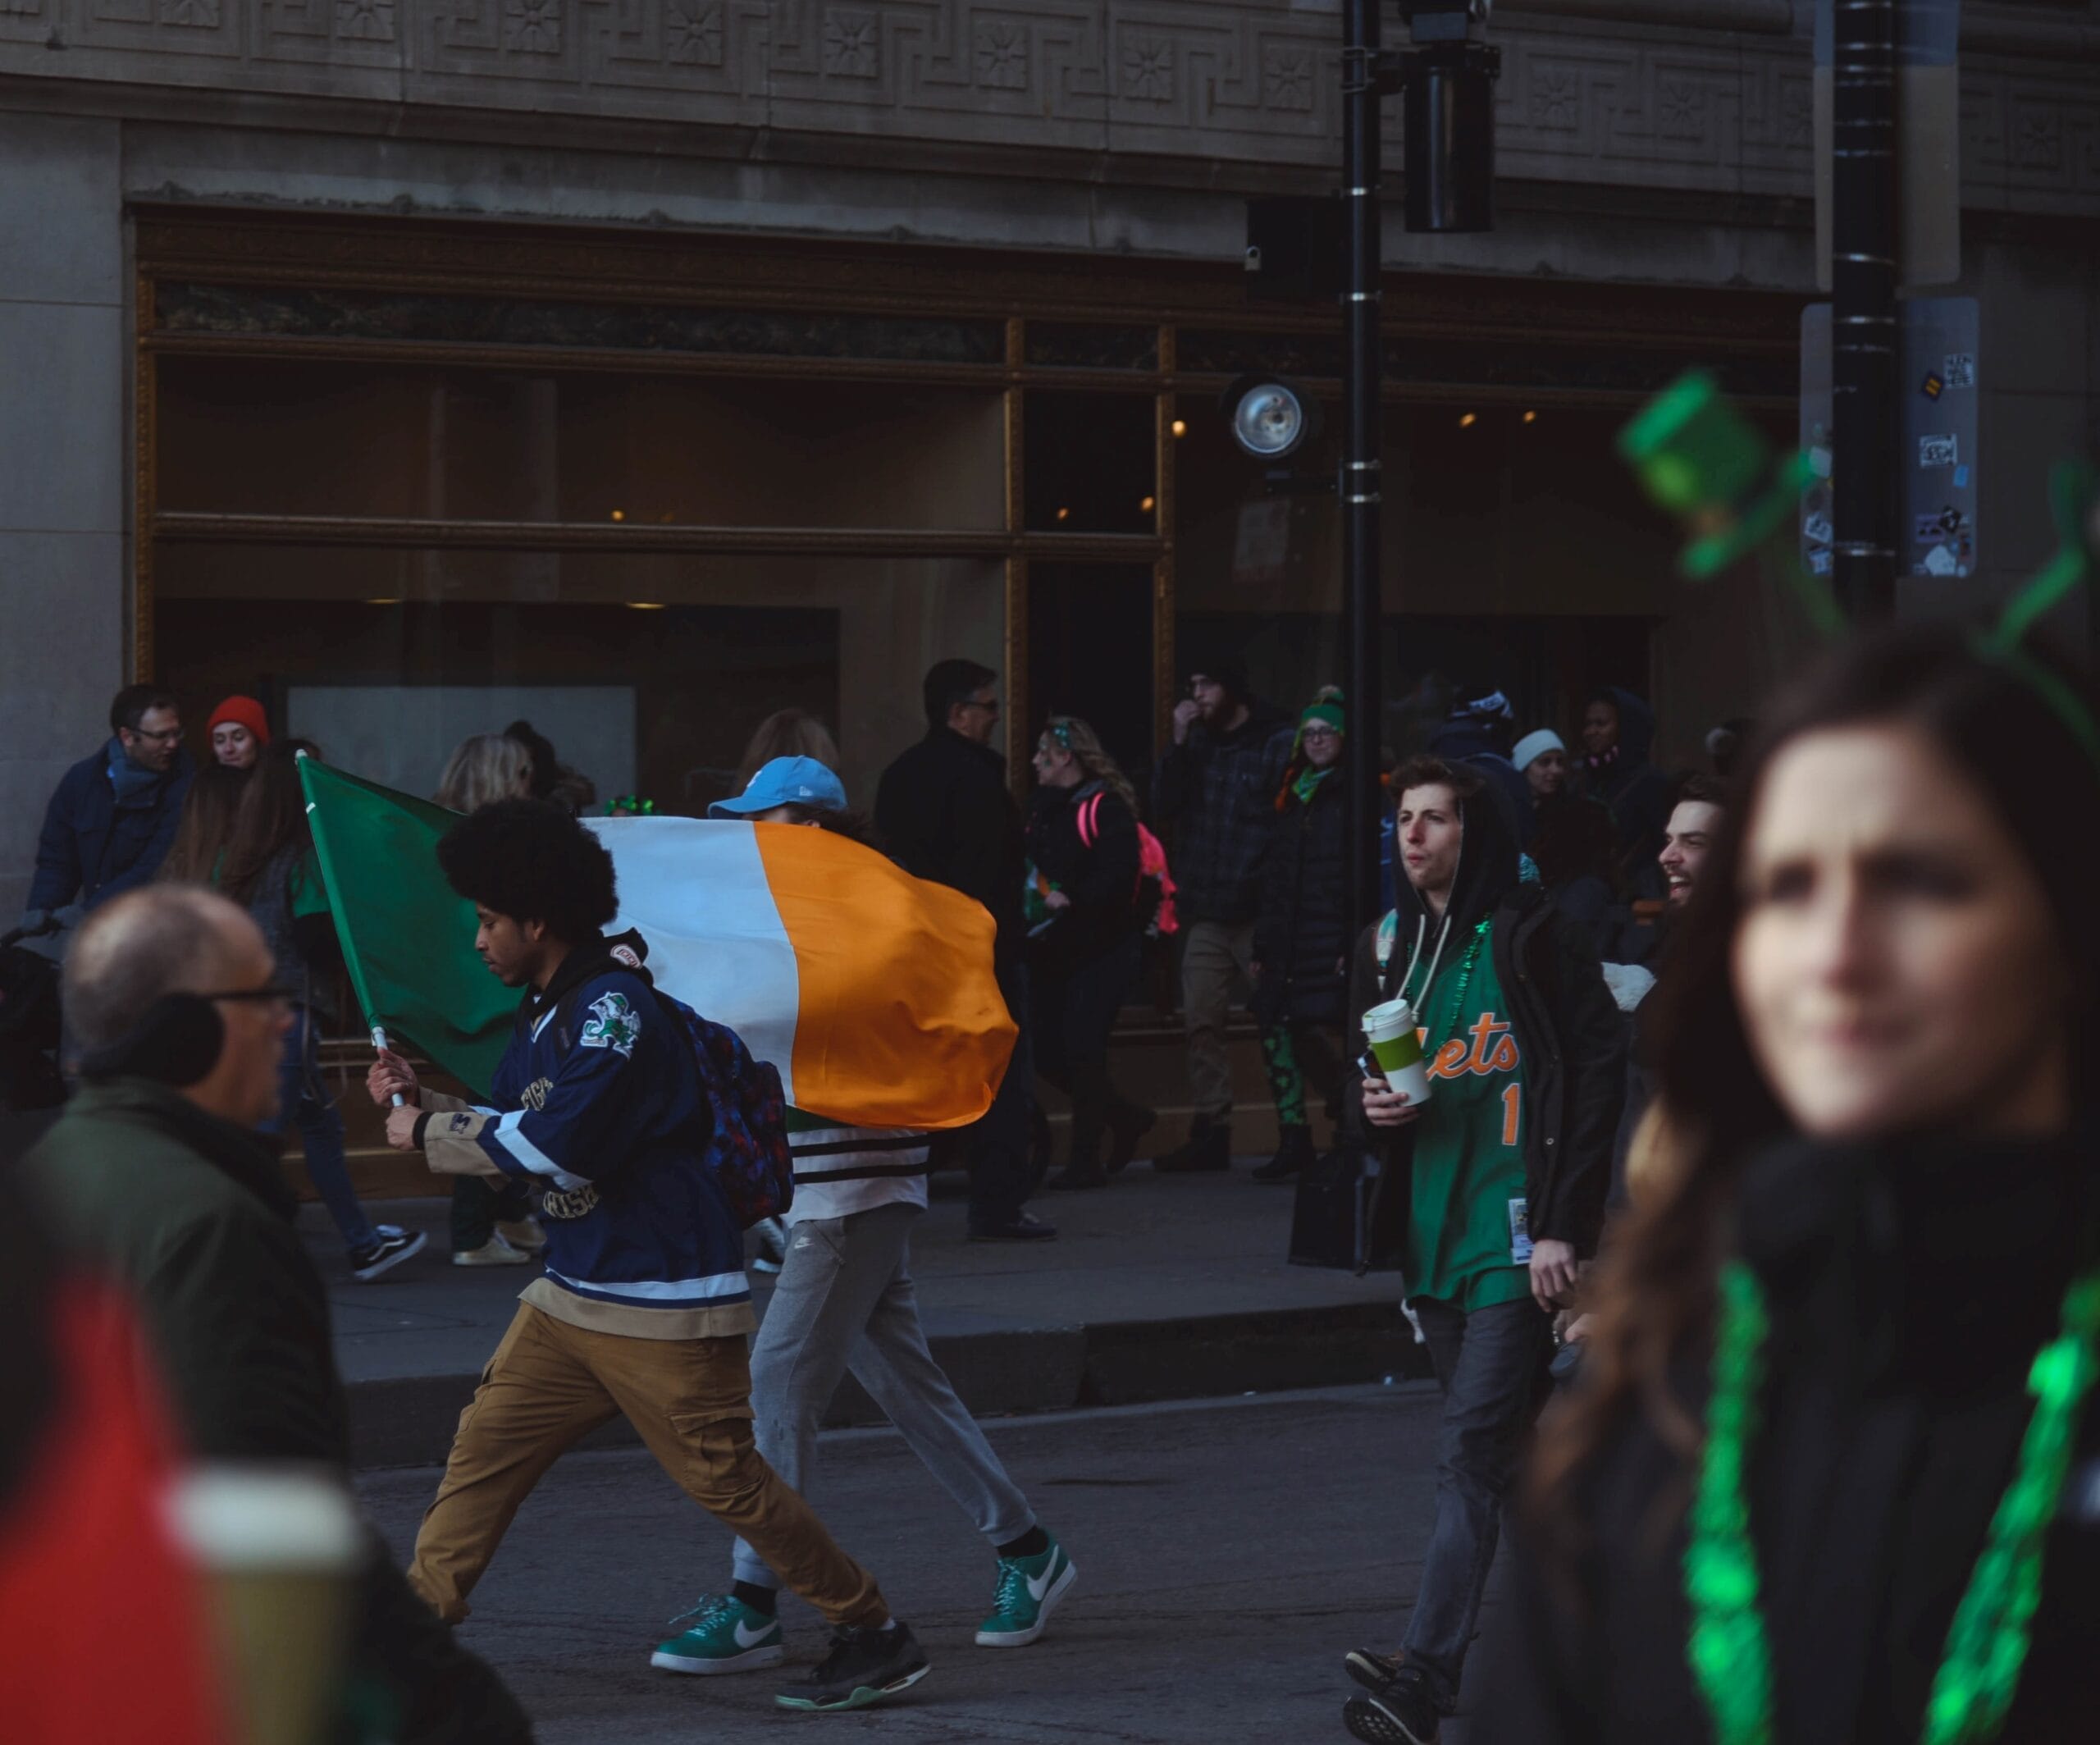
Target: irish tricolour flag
870	991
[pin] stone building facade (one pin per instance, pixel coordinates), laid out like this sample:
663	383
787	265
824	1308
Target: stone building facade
424	350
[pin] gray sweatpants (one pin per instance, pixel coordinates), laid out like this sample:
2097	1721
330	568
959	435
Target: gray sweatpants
846	1301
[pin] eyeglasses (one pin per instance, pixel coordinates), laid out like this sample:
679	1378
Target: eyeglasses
1321	732
279	996
990	706
168	737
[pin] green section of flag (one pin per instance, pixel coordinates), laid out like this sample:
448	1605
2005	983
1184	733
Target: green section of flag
408	938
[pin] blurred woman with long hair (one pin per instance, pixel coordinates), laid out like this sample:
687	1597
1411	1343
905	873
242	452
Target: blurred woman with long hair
1829	1473
1085	949
269	868
787	732
483	768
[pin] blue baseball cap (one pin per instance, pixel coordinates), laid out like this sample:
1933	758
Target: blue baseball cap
785	781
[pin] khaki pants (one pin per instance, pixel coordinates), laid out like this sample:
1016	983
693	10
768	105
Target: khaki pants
1217	961
550	1384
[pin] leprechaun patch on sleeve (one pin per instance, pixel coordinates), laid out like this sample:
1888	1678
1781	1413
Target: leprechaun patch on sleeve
613	1024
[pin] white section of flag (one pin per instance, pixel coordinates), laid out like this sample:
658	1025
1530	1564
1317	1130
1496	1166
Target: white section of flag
696	890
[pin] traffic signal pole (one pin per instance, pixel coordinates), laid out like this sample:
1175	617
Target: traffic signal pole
1865	426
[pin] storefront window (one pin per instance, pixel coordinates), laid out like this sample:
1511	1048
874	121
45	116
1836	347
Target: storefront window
648	671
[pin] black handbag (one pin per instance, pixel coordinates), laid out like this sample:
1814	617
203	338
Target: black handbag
1341	1218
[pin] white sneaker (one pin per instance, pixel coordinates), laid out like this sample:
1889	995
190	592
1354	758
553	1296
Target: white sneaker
523	1234
495	1252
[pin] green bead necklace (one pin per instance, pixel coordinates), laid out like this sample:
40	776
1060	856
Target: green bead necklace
1465	981
1730	1652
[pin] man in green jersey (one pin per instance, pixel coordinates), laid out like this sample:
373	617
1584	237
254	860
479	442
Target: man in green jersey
1504	1172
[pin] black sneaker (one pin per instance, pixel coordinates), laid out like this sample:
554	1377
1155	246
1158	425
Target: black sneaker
1403	1713
1292	1156
863	1668
1208	1148
1023	1228
1128	1123
394	1246
1374	1672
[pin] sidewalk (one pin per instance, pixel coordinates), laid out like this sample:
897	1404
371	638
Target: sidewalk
1161	1288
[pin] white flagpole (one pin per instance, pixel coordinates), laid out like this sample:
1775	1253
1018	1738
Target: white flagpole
379	1041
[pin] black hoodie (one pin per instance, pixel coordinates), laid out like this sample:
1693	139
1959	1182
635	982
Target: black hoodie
1566	1022
1636	793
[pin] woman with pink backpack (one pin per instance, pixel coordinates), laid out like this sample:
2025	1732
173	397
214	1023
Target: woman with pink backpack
1089	899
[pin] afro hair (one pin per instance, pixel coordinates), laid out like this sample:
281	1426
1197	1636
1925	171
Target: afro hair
531	861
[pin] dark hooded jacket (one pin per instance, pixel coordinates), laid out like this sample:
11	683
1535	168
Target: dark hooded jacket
1637	793
1302	936
1567	1026
1219	793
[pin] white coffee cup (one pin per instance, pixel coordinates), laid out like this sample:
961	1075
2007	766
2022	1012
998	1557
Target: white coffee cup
280	1548
1396	1046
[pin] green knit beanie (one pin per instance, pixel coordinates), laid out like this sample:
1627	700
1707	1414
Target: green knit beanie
1326	706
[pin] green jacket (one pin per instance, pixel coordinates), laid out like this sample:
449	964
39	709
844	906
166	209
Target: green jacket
192	1215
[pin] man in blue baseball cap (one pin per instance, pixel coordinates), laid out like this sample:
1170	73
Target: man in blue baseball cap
788	790
845	1302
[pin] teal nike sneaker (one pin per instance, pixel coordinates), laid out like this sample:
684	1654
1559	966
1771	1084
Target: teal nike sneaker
726	1636
1029	1590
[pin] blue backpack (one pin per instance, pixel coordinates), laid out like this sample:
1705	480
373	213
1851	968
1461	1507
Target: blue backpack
747	1151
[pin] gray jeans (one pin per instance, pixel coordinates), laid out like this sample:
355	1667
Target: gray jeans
846	1301
1488	1365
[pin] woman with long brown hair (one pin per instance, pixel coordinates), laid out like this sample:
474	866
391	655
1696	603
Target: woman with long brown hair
269	868
1830	1472
207	821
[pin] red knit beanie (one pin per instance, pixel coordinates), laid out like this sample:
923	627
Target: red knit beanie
243	711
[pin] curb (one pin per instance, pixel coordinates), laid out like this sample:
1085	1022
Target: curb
410	1420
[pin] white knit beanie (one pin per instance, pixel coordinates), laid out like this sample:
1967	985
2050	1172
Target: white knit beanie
1532	746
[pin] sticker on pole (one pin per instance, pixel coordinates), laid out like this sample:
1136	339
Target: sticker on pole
1959	369
1936	451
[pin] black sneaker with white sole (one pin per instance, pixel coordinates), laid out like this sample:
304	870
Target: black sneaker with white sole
1374	1672
1403	1713
390	1247
863	1667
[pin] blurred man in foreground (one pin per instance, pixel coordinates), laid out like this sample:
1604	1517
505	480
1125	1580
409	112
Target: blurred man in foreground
157	1176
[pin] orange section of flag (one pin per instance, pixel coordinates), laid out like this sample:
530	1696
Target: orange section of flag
900	1021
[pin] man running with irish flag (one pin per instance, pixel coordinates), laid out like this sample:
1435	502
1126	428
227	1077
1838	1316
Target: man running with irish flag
603	1100
873	993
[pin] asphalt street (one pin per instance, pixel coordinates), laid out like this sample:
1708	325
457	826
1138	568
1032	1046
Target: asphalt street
1229	1551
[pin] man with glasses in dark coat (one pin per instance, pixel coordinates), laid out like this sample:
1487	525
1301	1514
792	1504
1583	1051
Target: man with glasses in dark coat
111	820
944	812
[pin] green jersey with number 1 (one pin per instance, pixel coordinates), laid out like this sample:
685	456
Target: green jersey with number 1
1467	1239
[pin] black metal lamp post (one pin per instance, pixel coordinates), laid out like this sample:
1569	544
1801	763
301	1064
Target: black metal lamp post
1447	81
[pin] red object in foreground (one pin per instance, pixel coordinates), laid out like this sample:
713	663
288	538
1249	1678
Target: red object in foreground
103	1635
